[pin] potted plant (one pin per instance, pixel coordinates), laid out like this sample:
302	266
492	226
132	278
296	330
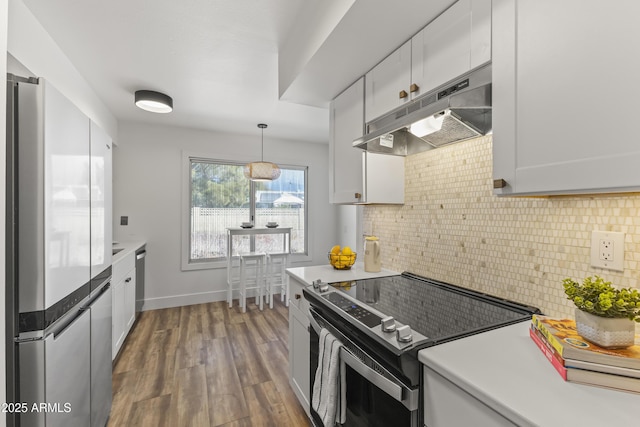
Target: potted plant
604	314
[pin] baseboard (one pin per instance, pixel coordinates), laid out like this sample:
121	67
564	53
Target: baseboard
188	299
181	300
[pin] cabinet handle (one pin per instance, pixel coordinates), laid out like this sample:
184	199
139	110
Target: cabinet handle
298	296
499	183
403	94
357	195
414	88
127	280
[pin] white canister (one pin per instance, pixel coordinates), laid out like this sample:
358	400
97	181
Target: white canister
372	263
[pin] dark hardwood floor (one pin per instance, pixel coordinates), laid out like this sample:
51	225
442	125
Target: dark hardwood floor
206	365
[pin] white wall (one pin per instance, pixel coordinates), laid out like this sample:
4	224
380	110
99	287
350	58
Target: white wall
147	188
32	46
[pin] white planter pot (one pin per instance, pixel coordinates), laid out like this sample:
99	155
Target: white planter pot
605	331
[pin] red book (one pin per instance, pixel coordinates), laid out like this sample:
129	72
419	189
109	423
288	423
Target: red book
548	352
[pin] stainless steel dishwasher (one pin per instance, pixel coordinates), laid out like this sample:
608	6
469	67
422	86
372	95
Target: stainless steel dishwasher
141	254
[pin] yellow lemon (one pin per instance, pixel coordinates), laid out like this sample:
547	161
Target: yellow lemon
346	250
335	249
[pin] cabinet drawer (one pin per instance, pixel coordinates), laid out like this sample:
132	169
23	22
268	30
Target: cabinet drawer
123	266
296	297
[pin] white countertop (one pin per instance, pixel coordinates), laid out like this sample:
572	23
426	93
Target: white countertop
328	274
505	370
127	248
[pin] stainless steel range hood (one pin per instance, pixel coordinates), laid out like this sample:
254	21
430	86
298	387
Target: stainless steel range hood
454	112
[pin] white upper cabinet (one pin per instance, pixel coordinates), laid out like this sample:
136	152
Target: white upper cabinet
387	84
346	123
454	43
564	96
383	177
356	176
101	200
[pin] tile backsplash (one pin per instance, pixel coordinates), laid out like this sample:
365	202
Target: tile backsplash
452	228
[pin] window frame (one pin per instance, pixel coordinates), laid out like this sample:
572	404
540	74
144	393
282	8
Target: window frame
186	262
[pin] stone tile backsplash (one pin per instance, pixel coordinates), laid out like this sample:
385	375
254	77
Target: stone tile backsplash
452	228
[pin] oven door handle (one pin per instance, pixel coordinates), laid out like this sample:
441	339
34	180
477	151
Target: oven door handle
384	384
314	324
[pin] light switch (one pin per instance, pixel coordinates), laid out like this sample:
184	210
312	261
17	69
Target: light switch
607	250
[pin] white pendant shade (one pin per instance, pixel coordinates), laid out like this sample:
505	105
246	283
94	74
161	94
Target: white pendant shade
262	171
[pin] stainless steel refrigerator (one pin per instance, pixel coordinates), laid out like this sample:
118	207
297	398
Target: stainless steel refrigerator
58	227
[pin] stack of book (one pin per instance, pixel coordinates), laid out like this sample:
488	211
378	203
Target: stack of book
578	360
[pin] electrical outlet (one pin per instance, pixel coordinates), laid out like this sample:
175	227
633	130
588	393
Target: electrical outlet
607	250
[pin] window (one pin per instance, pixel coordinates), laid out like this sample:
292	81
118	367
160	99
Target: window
220	196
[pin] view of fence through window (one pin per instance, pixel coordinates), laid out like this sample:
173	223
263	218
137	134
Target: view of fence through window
221	198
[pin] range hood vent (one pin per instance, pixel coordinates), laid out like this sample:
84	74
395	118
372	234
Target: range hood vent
452	113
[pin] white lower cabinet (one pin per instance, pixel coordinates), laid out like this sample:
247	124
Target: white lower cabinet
446	405
299	344
124	300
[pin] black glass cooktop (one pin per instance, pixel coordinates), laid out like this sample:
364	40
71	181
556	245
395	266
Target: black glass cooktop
437	310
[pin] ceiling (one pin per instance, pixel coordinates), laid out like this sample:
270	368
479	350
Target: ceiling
230	64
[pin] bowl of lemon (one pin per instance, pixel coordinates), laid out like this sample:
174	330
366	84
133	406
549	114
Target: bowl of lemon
341	258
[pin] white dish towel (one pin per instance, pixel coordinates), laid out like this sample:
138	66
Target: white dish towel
329	388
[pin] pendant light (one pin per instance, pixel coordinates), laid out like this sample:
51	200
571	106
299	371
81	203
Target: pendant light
262	171
154	102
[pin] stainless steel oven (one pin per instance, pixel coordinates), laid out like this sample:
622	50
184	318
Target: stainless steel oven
375	397
382	324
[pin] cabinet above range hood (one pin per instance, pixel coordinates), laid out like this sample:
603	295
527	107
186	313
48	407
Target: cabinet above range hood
451	113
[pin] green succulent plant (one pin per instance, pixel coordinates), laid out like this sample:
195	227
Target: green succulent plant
599	297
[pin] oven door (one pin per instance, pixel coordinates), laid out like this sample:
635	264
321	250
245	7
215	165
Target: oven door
375	398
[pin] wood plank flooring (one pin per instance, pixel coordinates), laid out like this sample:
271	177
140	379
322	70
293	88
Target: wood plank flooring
206	365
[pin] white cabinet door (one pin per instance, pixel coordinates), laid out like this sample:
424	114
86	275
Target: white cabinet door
101	200
299	363
124	299
454	43
129	302
445	405
117	318
66	176
345	165
564	97
356	176
386	81
384	178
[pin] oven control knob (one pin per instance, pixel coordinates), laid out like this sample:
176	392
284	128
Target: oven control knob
323	287
388	324
403	334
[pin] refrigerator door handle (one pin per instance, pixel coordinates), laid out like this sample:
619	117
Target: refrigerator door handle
66	322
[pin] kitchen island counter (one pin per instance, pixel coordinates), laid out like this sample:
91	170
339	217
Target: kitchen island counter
328	274
504	370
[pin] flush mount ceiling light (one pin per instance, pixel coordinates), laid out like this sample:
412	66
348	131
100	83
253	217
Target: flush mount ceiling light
155	102
262	171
